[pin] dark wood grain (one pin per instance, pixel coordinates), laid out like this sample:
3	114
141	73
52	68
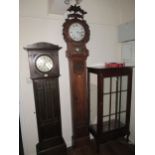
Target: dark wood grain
46	93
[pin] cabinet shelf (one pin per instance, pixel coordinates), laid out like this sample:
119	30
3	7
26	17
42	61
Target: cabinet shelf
107	126
113	114
114	92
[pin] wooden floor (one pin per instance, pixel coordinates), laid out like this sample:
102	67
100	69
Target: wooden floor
119	147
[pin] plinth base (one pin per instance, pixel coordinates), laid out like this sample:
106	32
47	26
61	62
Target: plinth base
79	142
52	148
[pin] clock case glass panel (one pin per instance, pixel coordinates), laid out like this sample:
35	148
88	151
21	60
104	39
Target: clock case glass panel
44	63
76	31
35	73
82	25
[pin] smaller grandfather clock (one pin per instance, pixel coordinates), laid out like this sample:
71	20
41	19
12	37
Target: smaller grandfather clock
44	71
76	34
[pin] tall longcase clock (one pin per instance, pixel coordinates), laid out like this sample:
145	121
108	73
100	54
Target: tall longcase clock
44	71
76	34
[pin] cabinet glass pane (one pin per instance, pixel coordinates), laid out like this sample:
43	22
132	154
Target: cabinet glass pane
114	81
112	117
93	99
106	85
123	117
106	119
124	101
119	83
106	105
124	82
113	103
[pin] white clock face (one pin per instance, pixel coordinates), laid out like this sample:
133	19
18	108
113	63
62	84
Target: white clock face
44	63
76	31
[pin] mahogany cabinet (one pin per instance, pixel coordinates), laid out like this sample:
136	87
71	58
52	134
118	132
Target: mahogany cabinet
112	105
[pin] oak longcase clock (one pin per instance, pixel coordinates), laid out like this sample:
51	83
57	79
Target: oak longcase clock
44	71
76	34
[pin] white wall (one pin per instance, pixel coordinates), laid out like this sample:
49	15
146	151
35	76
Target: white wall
36	25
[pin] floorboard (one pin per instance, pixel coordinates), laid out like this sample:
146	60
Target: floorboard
117	147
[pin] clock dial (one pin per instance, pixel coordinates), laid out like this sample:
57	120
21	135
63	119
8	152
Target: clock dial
76	31
44	63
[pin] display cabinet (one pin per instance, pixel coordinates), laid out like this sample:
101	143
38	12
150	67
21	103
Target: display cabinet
113	102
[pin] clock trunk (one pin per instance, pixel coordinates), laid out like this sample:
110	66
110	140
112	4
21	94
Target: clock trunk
79	101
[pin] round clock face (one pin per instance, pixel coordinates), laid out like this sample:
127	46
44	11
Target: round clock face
76	31
44	63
